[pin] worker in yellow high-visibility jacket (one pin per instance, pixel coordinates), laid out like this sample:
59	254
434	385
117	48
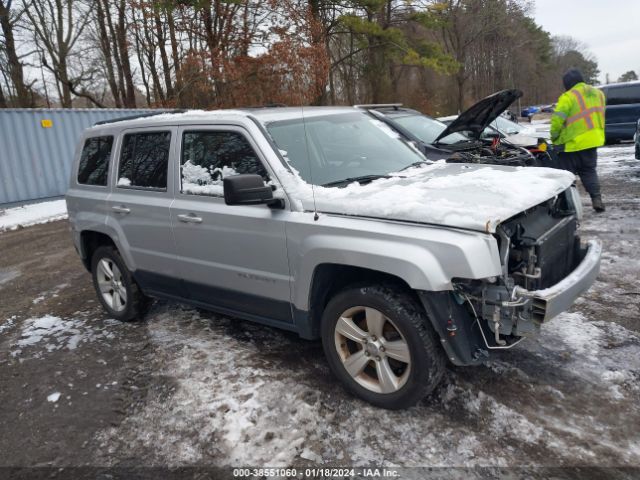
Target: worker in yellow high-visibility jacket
577	127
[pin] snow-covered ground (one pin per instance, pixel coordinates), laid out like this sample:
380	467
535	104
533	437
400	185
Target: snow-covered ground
229	392
32	214
247	395
50	333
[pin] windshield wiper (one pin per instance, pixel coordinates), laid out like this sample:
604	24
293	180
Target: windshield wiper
360	179
415	164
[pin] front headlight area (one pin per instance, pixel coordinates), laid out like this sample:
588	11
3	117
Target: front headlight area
575	200
497	311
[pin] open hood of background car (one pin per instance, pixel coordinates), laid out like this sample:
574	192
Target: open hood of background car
478	117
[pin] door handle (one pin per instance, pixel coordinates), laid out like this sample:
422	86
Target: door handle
121	209
189	218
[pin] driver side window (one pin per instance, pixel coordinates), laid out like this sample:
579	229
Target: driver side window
210	156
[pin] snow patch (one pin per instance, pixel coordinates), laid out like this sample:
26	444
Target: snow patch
56	334
8	323
53	293
198	180
502	419
6	275
32	214
53	398
37	300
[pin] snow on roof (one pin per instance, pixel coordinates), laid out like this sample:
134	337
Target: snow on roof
264	115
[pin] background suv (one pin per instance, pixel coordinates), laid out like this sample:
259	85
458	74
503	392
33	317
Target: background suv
623	110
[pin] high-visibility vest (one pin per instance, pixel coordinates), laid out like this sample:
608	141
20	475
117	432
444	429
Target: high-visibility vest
578	120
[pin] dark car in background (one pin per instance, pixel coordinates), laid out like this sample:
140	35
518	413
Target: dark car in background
623	110
462	140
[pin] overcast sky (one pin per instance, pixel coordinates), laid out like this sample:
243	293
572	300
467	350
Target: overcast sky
609	28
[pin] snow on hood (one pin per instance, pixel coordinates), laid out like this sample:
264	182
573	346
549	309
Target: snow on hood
476	197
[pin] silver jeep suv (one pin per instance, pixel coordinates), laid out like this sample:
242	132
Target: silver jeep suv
323	221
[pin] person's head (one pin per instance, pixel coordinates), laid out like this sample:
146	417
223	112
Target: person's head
572	77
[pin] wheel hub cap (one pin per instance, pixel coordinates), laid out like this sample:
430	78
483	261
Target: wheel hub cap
373	348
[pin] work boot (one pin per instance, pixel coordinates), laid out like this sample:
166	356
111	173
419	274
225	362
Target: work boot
596	202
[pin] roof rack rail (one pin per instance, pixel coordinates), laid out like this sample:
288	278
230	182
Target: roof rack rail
268	105
142	115
379	105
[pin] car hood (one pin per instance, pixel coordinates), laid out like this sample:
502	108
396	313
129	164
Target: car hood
478	117
476	197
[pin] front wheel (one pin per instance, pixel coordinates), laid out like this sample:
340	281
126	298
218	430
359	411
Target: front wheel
381	346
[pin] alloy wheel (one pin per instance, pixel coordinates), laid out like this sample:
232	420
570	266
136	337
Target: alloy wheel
111	284
372	349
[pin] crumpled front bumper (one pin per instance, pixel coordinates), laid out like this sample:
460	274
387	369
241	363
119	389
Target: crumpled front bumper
556	299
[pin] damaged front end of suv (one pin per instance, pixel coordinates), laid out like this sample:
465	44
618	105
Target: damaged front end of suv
545	267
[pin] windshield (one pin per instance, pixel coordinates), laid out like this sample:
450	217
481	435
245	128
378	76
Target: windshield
340	146
506	126
427	129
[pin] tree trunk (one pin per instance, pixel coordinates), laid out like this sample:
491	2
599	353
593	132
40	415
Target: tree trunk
174	47
143	73
23	97
163	56
121	34
3	100
460	81
105	46
63	77
116	54
158	93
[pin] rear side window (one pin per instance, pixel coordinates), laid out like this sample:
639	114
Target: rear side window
209	156
623	95
144	160
94	161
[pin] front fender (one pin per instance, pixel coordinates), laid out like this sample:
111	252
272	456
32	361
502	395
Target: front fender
426	258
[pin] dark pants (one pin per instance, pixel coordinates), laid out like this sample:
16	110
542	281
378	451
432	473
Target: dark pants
583	164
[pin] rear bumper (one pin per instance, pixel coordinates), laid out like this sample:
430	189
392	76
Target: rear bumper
554	300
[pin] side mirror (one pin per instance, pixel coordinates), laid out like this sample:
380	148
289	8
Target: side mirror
248	189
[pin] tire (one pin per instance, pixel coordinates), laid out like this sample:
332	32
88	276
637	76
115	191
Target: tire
123	300
637	151
389	380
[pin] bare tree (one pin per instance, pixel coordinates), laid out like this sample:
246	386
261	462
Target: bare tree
58	26
14	65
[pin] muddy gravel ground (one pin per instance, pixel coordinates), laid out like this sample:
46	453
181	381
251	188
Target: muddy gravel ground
186	387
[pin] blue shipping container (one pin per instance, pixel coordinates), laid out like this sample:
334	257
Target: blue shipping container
37	145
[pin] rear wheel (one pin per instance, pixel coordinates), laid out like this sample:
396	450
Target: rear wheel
381	346
117	291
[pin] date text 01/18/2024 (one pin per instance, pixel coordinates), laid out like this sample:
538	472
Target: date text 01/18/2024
315	472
